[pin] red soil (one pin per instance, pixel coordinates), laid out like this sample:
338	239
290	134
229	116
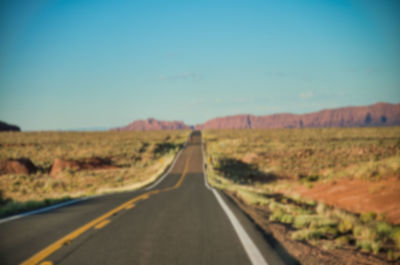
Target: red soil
60	165
359	196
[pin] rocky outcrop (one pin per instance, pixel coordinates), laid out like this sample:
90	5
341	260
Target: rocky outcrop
60	165
8	127
17	166
380	114
153	125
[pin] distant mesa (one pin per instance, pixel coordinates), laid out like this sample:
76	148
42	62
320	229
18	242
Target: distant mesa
8	127
153	125
379	114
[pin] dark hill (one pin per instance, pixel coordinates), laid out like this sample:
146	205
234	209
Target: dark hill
8	127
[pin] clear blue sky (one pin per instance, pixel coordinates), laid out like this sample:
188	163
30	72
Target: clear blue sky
79	64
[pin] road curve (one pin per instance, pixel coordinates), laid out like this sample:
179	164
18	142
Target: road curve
178	221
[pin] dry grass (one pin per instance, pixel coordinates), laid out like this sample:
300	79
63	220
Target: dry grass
138	157
258	165
326	153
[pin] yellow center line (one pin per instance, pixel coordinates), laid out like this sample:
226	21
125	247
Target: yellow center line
102	224
46	263
129	207
39	256
179	183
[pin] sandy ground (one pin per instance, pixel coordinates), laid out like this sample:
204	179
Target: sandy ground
359	196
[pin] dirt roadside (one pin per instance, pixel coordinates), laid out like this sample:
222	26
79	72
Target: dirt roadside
305	253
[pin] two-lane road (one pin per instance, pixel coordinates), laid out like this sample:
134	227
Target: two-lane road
178	221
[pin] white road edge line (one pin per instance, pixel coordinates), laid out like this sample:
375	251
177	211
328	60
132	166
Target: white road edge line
42	210
169	169
251	249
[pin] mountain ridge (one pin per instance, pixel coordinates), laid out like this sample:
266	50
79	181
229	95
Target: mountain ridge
378	114
152	124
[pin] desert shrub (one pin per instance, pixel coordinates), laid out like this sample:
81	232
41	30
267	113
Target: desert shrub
254	198
309	178
324	221
274	206
364	245
393	255
313	221
368	217
384	229
302	221
328	231
163	148
302	211
390	255
376	246
345	226
277	215
321	208
342	241
346	221
396	237
369	246
307	234
364	232
3	200
287	219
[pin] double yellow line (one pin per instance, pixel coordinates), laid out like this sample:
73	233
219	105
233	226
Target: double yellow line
100	221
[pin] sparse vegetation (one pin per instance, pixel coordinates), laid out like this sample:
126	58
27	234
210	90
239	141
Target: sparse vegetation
310	154
263	167
137	158
10	207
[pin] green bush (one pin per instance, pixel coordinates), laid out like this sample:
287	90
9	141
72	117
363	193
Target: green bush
376	246
345	226
323	221
276	215
384	229
329	232
369	246
321	208
303	220
306	234
393	255
368	217
396	237
287	219
346	221
364	245
342	241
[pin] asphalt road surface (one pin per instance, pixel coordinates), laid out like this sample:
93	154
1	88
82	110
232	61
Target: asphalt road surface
180	220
